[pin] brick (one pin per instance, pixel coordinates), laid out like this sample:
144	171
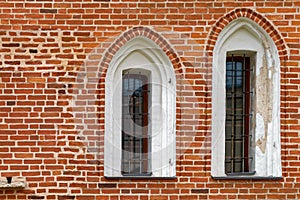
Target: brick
107	185
82	34
36	197
46	43
66	197
200	191
11	45
48	10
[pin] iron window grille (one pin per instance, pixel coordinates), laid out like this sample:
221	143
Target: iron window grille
135	120
238	156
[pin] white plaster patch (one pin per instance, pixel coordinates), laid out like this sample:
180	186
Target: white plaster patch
16	183
260	133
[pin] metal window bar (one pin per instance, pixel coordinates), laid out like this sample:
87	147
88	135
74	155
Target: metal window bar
233	115
244	149
238	115
135	118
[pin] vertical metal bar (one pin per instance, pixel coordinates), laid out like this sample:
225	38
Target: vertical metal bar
140	118
251	71
122	131
146	139
248	107
232	113
124	141
125	113
235	114
134	123
129	136
244	112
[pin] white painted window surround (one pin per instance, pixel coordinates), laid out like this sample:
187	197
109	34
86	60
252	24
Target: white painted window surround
142	53
245	35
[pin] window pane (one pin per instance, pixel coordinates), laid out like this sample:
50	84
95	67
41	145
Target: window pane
238	119
135	117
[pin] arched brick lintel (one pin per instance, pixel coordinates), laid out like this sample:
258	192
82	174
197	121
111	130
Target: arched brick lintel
144	32
254	16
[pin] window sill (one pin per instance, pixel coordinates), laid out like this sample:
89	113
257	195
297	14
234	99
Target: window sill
139	177
231	177
16	183
241	173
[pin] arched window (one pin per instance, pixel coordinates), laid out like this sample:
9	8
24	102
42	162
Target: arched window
140	112
245	103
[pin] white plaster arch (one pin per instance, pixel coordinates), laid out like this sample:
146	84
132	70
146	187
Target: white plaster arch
243	34
142	53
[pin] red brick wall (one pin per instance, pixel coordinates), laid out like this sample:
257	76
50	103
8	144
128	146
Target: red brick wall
47	45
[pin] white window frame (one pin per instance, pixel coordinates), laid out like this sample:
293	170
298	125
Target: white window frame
245	35
142	53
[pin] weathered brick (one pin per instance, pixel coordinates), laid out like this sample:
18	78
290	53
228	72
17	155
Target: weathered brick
48	10
11	44
107	185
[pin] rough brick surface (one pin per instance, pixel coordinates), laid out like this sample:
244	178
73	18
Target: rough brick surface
50	48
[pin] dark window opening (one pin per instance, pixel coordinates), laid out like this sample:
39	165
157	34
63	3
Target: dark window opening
238	158
135	120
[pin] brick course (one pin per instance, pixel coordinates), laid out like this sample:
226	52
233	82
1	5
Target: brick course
48	46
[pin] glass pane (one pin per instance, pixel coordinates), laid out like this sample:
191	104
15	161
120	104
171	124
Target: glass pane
237	123
135	142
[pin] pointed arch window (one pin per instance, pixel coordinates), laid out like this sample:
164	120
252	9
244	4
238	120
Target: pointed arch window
139	138
245	103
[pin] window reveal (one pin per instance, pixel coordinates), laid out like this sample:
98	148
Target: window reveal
135	120
238	135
